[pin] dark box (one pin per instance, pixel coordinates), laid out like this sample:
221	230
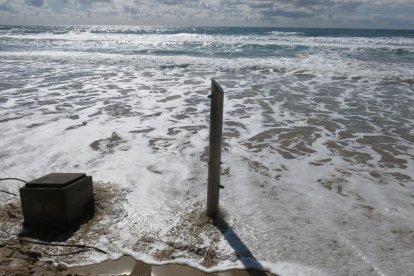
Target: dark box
57	200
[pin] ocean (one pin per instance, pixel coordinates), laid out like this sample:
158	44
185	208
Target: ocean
318	143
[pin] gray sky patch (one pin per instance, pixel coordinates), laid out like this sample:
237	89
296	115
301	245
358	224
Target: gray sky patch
276	13
35	3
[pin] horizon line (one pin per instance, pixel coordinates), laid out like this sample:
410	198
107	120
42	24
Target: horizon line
205	26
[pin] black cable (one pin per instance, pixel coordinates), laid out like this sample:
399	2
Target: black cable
84	248
3	191
65	245
13	178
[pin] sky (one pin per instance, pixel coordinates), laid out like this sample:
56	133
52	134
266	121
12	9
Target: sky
389	14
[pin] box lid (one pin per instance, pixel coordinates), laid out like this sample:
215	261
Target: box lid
55	180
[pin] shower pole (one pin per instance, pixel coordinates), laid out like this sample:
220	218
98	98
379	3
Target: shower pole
214	158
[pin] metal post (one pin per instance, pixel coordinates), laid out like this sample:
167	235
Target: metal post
214	164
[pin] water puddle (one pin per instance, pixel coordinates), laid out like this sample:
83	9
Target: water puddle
128	266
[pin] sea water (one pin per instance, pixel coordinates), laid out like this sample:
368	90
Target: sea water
317	153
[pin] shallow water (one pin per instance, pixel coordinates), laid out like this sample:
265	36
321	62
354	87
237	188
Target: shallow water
128	266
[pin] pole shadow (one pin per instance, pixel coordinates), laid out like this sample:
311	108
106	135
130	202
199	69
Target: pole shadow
245	256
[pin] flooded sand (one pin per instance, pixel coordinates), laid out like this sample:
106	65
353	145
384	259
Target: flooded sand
128	266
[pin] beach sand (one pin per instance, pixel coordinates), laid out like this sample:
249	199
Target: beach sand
17	258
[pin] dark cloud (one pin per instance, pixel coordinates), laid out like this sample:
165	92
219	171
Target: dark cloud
350	6
170	2
88	2
261	5
35	3
332	13
329	4
178	2
286	13
272	10
307	3
84	2
5	7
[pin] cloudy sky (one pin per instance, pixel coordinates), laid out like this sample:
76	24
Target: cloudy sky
279	13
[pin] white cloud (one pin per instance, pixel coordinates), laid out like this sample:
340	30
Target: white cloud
317	13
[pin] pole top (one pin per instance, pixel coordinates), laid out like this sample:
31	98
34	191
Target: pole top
215	86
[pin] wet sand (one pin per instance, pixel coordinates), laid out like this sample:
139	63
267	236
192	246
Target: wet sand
17	258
